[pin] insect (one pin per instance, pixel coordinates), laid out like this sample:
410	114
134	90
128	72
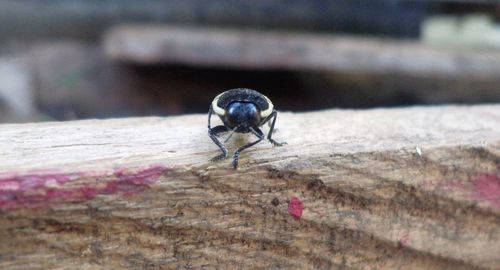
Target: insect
243	111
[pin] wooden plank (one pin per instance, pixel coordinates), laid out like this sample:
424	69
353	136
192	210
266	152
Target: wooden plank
417	188
90	18
294	51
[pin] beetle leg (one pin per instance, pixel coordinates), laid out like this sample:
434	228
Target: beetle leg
213	135
213	132
257	132
273	115
210	111
218	130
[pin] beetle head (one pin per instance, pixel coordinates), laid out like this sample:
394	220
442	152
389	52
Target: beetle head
242	116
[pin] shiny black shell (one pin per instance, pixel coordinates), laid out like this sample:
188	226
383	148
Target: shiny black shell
243	95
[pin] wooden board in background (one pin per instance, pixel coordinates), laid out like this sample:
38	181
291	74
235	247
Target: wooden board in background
253	49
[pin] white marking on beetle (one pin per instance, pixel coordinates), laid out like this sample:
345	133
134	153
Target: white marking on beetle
218	110
269	109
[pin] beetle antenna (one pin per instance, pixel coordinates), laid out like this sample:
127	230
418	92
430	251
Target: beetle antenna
231	134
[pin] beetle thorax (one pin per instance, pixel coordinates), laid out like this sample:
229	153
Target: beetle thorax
242	116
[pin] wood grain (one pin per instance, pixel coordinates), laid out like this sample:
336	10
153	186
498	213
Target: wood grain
413	188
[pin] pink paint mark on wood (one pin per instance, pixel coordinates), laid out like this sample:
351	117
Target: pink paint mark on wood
295	208
41	188
487	188
482	188
9	185
404	240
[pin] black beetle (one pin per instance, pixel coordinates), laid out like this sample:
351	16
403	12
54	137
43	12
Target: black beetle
243	111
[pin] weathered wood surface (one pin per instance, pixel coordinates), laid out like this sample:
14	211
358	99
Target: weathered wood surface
286	50
414	188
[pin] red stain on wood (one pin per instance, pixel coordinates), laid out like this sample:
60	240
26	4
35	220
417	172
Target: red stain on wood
404	241
295	207
37	189
487	188
482	187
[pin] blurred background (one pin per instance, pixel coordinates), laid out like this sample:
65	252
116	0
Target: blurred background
77	59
